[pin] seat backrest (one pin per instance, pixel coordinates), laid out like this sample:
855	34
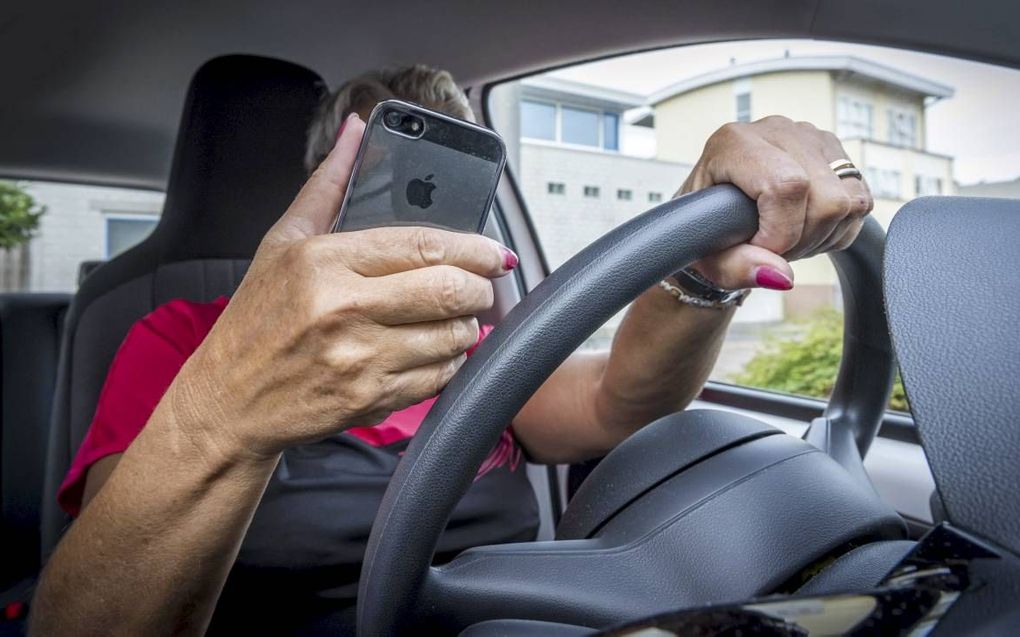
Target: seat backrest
237	165
30	328
952	289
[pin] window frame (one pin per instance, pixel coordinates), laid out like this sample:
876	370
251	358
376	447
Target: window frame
895	425
852	101
122	216
558	126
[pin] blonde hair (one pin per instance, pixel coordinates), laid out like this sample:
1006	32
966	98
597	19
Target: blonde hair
432	88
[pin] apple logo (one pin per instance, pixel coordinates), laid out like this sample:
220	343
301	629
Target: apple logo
419	192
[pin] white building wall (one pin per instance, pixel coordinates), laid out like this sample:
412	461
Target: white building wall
567	223
73	229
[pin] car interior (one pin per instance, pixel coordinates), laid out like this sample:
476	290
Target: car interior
712	519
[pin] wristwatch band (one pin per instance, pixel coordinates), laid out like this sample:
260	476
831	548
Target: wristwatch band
694	289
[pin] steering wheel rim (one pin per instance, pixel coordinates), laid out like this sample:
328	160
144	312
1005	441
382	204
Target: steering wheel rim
544	329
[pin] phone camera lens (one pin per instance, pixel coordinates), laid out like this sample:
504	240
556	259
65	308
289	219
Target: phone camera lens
393	119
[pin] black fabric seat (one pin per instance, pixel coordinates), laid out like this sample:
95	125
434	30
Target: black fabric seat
237	165
30	328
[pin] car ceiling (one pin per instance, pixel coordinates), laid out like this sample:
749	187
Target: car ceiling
92	91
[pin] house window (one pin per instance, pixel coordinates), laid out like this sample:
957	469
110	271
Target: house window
591	191
123	232
925	186
548	121
743	107
654	197
579	126
611	131
853	118
884	183
624	194
556	188
902	128
538	120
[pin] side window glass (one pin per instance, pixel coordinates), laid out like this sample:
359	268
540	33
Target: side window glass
73	227
595	144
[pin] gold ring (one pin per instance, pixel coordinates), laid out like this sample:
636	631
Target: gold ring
841	163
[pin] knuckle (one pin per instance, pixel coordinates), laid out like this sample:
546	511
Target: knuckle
430	246
451	285
775	120
790	186
807	127
837	205
463	333
725	135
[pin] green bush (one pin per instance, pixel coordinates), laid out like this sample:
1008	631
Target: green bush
806	364
19	215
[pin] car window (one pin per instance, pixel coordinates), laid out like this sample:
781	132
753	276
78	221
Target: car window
67	226
592	145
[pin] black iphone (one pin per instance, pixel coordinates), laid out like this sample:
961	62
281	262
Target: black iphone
417	167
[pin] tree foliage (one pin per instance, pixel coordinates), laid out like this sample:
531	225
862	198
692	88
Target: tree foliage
806	364
19	215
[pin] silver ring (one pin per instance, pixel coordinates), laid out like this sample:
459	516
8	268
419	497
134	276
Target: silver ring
849	171
845	168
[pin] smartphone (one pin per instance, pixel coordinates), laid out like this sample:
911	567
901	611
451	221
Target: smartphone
417	167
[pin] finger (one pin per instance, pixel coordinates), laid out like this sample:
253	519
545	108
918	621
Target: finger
767	174
860	204
747	266
384	251
426	343
829	205
435	293
846	238
412	386
317	204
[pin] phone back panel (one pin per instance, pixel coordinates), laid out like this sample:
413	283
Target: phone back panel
446	178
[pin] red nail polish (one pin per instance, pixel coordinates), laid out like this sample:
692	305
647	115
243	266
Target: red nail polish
772	279
510	259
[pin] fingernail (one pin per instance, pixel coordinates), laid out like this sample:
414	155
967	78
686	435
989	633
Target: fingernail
510	259
772	279
344	125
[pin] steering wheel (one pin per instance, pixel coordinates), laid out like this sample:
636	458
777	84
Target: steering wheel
652	551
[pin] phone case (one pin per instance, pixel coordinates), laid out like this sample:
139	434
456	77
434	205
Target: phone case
445	178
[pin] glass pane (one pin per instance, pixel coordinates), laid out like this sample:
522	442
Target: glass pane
538	120
950	130
611	131
744	107
122	234
580	126
71	231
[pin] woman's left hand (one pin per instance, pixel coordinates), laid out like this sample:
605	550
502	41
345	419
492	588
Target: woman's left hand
804	208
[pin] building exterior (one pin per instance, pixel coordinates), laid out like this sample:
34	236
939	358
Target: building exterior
82	224
877	112
996	189
583	170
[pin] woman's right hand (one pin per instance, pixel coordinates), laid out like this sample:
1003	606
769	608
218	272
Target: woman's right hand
329	331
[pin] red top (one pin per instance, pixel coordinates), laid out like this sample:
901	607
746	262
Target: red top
154	351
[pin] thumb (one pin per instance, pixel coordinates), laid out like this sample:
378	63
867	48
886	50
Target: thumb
317	204
747	266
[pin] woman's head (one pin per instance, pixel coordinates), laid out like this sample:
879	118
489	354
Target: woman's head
420	84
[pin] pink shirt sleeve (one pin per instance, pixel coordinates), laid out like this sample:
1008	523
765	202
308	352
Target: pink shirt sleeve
146	363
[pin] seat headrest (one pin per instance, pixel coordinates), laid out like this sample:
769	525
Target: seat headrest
238	159
237	165
952	276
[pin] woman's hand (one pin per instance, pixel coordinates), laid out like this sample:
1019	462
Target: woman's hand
329	331
804	208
